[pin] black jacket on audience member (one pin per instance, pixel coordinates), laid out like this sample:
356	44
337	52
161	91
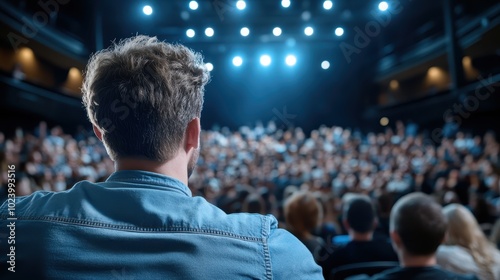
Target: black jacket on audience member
420	273
376	250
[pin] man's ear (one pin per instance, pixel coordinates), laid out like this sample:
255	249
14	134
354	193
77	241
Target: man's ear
192	135
396	240
97	132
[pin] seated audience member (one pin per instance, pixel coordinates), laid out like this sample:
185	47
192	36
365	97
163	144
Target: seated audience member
384	205
466	249
144	98
495	234
360	221
302	216
417	228
254	204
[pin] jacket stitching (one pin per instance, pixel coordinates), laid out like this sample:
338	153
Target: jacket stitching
267	255
137	229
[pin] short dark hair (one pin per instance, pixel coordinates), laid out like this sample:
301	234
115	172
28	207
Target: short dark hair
420	223
141	93
359	213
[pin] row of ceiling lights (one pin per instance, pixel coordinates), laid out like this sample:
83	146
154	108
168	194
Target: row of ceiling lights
327	5
266	60
245	31
241	5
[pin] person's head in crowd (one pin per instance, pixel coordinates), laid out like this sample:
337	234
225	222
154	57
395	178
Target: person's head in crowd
417	228
289	191
481	209
464	231
359	218
303	214
144	98
254	203
384	203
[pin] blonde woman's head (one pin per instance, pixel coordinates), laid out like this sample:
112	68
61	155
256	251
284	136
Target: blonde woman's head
464	231
463	228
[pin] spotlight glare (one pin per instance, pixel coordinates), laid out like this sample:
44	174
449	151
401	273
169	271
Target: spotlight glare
308	31
383	6
291	60
277	31
147	10
209	32
190	33
327	5
244	31
193	5
241	5
265	60
285	3
237	61
339	31
325	64
209	66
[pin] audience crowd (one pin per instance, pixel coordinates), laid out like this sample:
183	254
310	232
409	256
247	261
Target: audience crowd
307	181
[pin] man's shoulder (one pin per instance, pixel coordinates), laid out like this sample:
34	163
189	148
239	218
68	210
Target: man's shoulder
141	209
24	205
393	273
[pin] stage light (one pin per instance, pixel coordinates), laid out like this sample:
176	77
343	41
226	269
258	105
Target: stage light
290	60
325	64
237	61
74	74
147	10
285	3
339	31
308	31
306	15
209	32
209	66
241	5
394	85
190	33
277	31
265	60
383	6
26	54
193	5
327	5
244	31
384	121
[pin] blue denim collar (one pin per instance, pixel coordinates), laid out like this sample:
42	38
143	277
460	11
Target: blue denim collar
151	178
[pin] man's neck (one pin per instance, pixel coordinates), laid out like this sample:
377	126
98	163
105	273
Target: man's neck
407	260
356	236
172	168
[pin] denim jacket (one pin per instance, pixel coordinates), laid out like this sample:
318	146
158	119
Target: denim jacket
143	225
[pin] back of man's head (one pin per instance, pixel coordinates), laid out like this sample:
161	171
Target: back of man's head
141	94
359	214
420	224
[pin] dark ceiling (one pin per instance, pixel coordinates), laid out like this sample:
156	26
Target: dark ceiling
235	96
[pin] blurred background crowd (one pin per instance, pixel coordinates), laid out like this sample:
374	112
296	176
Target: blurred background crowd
255	169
